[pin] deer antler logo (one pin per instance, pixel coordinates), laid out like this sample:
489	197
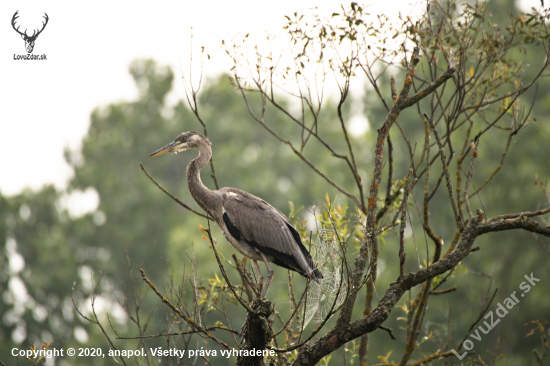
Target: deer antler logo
29	40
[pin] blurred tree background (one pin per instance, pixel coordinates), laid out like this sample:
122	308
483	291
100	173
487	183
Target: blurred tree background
50	257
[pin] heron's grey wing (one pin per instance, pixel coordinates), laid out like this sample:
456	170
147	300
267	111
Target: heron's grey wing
253	220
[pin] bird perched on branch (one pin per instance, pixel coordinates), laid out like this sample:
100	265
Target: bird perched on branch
252	226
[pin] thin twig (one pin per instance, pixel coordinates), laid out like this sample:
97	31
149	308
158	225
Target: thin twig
173	197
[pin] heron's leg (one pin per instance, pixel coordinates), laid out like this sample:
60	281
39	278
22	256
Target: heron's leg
262	279
270	274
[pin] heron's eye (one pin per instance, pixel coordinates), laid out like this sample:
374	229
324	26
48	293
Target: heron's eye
183	139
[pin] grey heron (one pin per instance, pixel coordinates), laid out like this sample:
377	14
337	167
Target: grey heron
252	226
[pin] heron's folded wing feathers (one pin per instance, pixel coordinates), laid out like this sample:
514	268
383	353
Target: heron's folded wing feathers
252	219
257	221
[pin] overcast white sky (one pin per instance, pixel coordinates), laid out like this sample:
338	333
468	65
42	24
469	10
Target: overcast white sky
45	105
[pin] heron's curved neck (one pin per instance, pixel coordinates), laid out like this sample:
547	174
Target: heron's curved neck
201	194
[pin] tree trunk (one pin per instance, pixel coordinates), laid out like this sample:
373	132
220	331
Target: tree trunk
257	332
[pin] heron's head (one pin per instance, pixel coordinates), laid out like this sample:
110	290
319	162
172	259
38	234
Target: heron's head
185	141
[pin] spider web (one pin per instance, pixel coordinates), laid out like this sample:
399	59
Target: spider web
321	296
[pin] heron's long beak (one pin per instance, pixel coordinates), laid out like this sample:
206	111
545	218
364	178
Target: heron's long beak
163	150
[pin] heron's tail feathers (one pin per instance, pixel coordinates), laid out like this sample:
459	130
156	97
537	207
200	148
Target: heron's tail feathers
316	275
